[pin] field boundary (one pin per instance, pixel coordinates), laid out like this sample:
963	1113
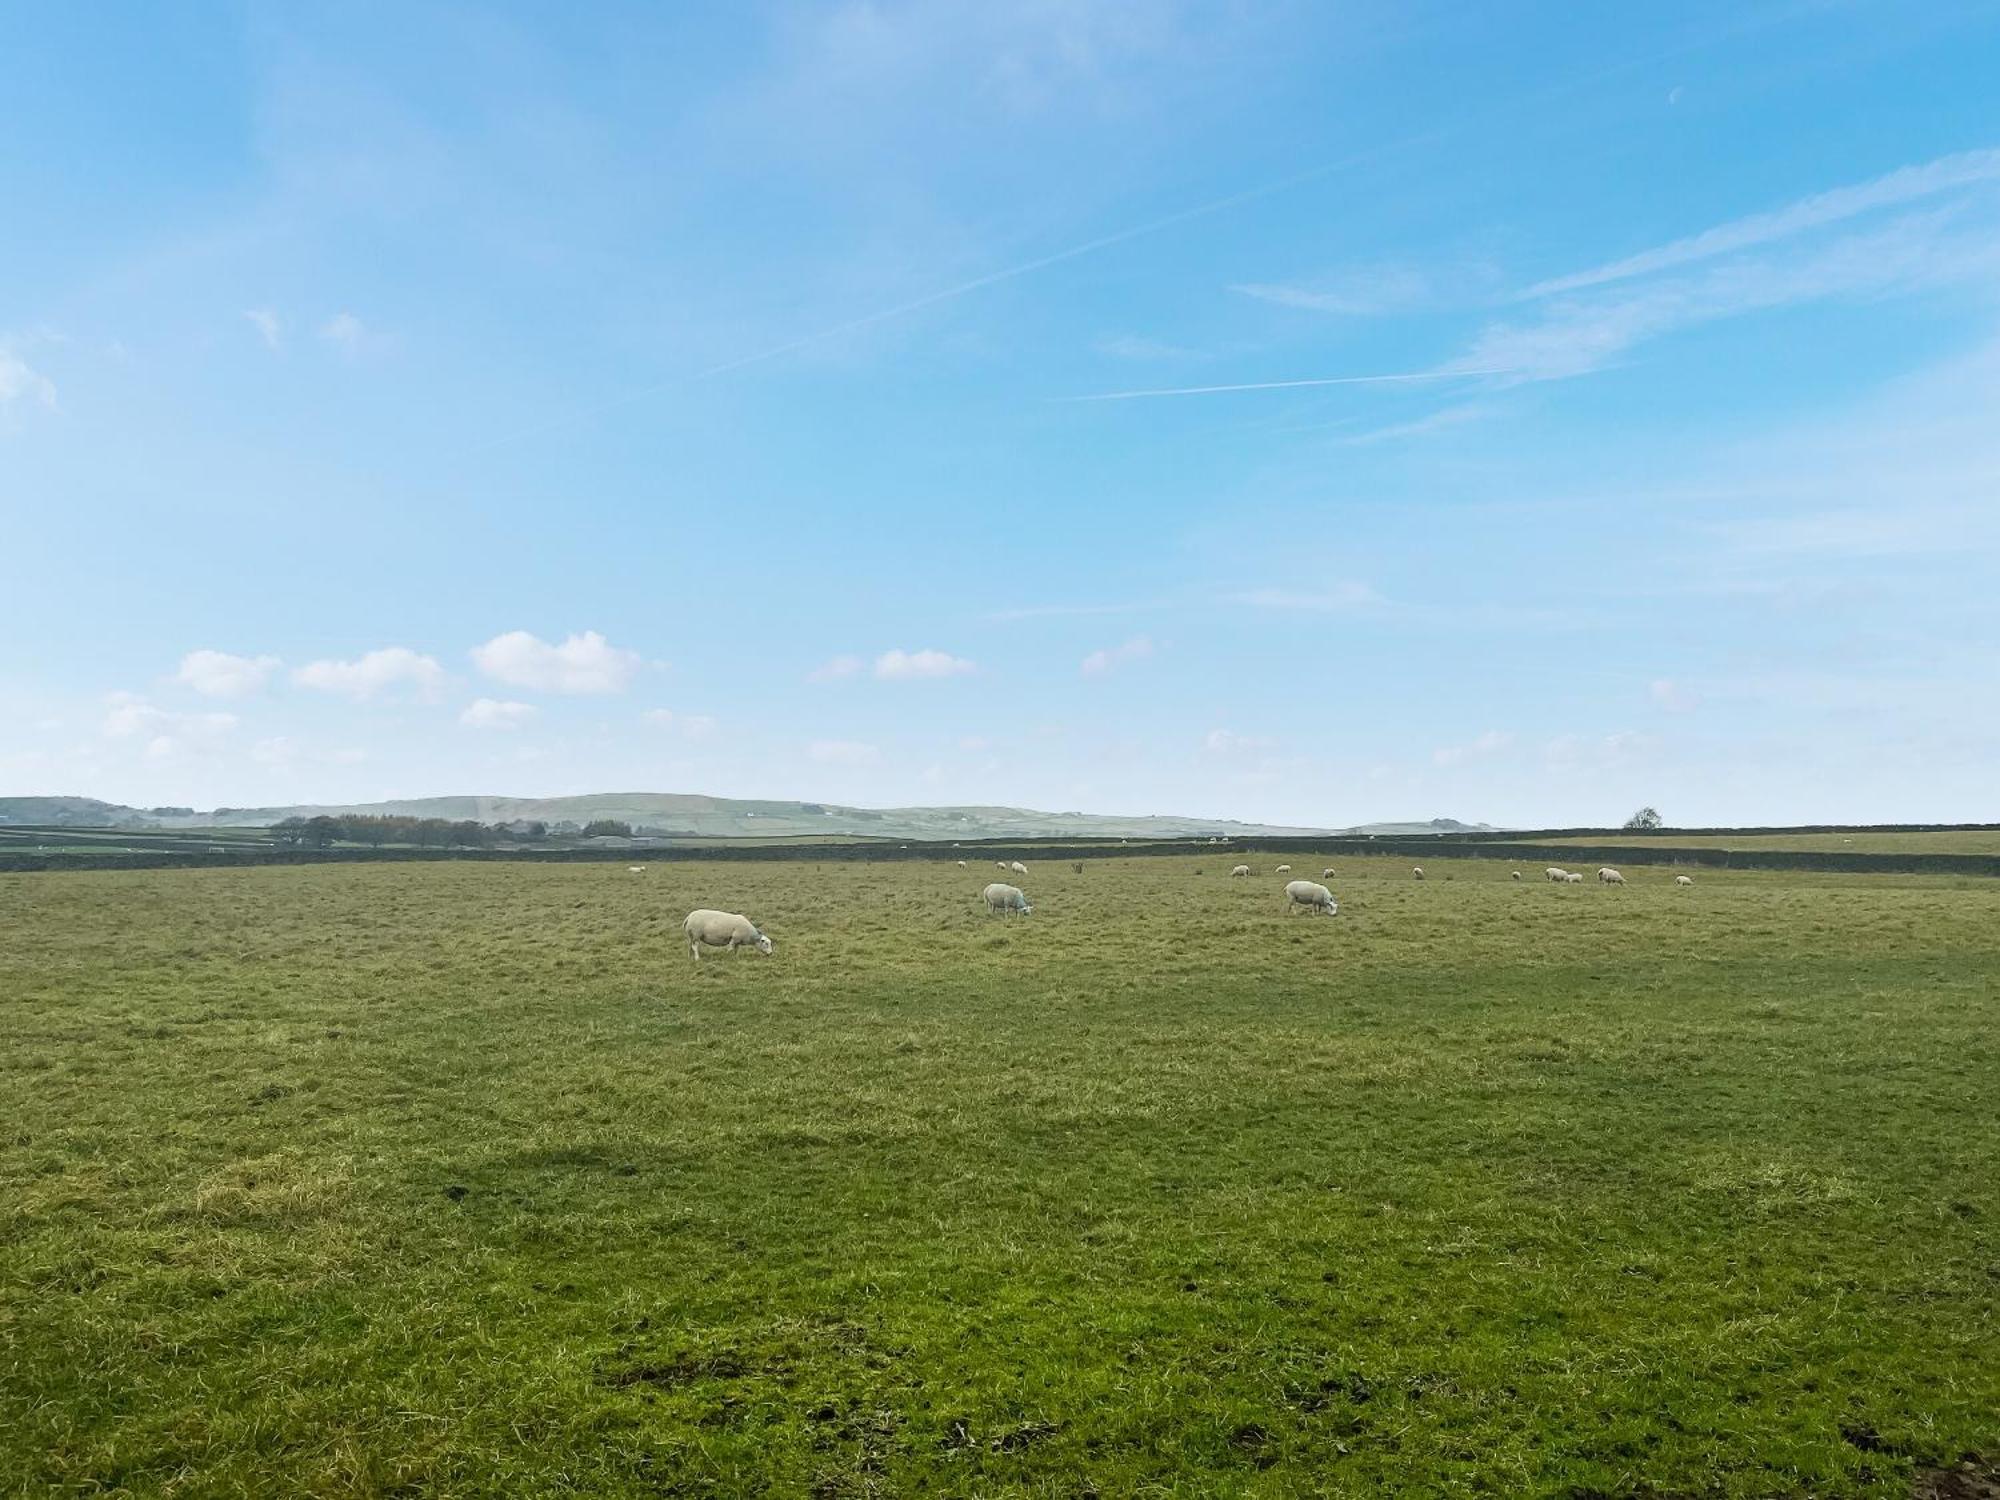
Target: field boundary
1654	851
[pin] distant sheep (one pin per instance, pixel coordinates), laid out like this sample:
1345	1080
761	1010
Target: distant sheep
1684	880
1555	874
999	864
722	929
636	869
1514	874
1418	872
1018	868
1239	870
1573	878
961	864
1327	873
1005	900
1309	896
1284	869
1609	876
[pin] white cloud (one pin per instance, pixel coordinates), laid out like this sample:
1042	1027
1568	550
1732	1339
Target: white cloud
843	753
687	726
1904	185
345	332
266	323
975	742
129	716
19	381
835	669
1492	742
217	674
1575	752
1340	598
1098	663
904	666
376	672
585	663
1673	696
492	713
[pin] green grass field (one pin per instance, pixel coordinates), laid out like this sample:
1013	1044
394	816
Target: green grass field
462	1179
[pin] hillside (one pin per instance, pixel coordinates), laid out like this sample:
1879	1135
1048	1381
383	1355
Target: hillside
705	817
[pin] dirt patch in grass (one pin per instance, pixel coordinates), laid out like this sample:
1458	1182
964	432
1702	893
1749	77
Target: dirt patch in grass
1973	1479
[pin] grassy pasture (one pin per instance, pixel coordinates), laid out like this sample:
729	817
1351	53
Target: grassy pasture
462	1179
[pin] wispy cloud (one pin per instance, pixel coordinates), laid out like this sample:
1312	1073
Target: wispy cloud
1675	697
835	668
1131	346
1437	421
1905	185
128	716
265	321
1363	291
21	381
1580	334
1339	598
687	726
1059	611
345	332
1110	658
1411	377
1229	742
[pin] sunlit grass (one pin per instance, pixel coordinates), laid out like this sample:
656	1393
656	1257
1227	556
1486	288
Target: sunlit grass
463	1179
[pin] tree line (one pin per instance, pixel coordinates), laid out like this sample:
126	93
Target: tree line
376	829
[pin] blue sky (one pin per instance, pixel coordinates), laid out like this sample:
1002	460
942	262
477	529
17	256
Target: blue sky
399	400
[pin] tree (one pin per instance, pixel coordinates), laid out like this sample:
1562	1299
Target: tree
1645	817
599	827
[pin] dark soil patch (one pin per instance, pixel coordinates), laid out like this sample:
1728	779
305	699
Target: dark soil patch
1974	1479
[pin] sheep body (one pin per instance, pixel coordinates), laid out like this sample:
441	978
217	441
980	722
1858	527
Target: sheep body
722	929
1327	873
1239	870
1418	872
1005	899
1609	876
1018	868
1683	880
1573	878
1554	873
1310	895
1284	869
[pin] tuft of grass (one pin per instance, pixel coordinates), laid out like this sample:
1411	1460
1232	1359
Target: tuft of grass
464	1179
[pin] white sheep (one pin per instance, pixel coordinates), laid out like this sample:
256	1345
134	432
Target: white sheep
1555	874
1683	880
999	864
1573	878
961	864
1327	873
1418	872
1239	870
1311	896
1609	876
722	929
1005	900
1513	874
1284	869
1018	868
636	869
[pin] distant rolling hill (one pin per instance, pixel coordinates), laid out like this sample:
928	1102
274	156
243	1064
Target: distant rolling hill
702	817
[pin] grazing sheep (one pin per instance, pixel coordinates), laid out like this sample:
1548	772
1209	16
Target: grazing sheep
1514	874
1239	870
1555	874
1018	868
722	929
1327	873
961	864
1684	880
1312	897
1609	876
1573	878
1005	900
1418	872
636	869
1284	869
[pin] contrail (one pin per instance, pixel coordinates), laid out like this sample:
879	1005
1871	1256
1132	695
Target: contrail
1287	385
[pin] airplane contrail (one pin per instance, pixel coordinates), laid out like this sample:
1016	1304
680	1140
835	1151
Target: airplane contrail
1286	385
